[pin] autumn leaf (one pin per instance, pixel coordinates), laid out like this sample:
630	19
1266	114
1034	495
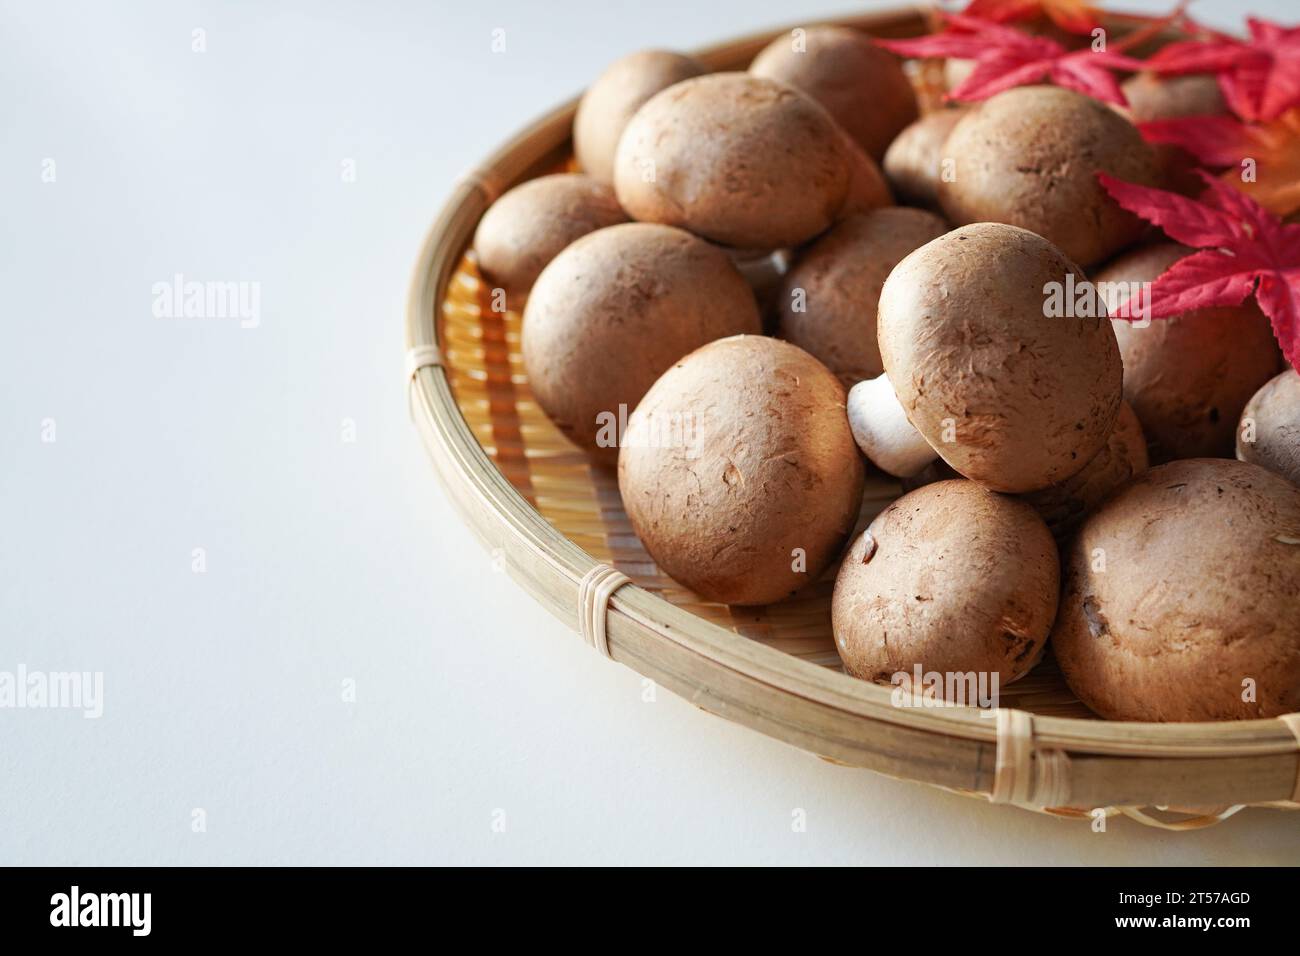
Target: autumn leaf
1005	58
1245	250
1074	16
1262	161
1260	78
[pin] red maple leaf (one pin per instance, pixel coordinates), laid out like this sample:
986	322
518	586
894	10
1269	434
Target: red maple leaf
1245	249
1272	175
1074	16
1005	58
1260	78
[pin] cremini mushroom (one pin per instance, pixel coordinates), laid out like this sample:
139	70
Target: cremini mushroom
1180	596
1124	455
950	578
980	372
738	471
1030	156
1269	431
828	300
1187	377
617	94
528	226
861	85
613	311
1152	97
738	159
914	164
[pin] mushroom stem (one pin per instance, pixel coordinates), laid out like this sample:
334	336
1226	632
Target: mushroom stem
882	431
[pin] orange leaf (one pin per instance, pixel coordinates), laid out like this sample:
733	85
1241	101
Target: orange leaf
1276	183
1075	16
1261	160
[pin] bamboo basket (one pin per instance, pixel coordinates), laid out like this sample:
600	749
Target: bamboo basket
551	519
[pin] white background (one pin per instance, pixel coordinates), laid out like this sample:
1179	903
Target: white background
330	561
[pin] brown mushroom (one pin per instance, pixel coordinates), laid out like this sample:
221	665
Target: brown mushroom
528	226
617	94
1269	431
738	471
1180	596
827	304
1188	377
737	159
914	163
978	372
1030	156
613	311
861	85
1124	455
950	578
1152	97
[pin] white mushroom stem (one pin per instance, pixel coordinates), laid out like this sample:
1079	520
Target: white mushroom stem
882	431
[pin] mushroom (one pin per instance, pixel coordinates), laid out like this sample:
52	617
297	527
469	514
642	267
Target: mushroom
738	471
734	158
977	370
1187	377
950	578
528	226
1180	596
617	94
1152	97
1269	431
861	85
827	304
1030	156
613	311
1124	455
914	162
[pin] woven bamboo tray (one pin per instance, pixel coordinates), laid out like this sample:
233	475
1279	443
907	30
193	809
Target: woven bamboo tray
550	518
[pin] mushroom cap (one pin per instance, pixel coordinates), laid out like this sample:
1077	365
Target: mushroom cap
735	158
1030	157
1275	413
1178	589
617	94
767	467
529	225
1189	377
1154	97
861	85
1124	455
617	308
840	276
952	577
914	161
1008	397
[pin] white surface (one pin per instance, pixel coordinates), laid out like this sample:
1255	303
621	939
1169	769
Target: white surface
330	561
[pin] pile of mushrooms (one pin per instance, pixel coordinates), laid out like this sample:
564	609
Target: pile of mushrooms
757	288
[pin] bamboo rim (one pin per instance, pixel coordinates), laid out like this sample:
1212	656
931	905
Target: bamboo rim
1115	766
